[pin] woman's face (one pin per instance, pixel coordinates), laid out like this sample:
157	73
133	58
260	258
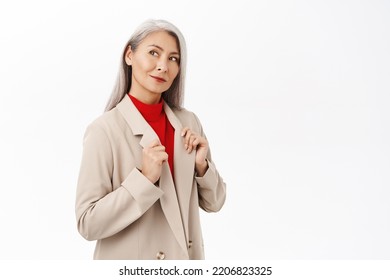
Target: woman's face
155	65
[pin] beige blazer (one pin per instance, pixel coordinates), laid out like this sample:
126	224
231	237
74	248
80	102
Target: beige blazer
118	206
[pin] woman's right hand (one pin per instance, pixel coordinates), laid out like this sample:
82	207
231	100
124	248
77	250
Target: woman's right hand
153	157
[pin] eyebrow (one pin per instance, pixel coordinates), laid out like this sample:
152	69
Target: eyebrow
160	48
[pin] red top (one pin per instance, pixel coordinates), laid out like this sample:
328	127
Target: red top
155	116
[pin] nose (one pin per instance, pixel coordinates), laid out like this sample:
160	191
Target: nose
162	66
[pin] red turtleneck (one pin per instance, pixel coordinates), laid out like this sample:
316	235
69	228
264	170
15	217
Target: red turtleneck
155	116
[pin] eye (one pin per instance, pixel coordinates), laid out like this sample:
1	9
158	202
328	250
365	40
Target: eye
154	53
174	58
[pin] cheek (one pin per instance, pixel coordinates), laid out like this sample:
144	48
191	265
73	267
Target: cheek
174	71
147	67
144	64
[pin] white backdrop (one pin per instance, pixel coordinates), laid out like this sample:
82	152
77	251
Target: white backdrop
293	95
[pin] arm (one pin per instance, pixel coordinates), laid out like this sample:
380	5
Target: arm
211	187
100	211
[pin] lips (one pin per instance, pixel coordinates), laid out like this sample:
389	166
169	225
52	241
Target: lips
159	79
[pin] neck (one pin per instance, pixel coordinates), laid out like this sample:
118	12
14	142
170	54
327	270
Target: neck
147	98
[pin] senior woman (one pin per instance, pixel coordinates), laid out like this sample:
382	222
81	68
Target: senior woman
146	166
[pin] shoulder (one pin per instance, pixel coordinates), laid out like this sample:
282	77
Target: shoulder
183	114
188	118
107	122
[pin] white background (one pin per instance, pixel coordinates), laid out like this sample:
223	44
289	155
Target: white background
294	97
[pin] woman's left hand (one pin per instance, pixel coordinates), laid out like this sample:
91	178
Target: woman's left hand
193	141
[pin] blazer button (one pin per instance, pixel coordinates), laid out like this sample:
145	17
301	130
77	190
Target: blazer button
160	255
189	244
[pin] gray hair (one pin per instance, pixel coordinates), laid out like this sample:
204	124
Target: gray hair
175	94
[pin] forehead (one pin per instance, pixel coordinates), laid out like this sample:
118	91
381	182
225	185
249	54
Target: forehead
162	39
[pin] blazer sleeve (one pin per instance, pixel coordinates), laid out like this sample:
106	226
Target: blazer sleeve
211	187
101	209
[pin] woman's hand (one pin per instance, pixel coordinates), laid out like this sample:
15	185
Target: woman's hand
193	141
153	157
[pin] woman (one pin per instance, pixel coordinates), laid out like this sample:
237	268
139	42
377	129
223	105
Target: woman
146	166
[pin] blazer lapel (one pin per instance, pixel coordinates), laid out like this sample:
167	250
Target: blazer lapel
169	201
183	168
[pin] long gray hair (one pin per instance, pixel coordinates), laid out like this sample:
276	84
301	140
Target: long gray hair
175	94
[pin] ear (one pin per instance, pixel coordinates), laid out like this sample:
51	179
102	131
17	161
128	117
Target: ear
128	55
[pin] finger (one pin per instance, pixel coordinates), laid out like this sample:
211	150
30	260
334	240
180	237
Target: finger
187	139
184	131
158	157
159	148
196	142
161	157
164	156
154	143
191	144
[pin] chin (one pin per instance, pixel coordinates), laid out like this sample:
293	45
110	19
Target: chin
157	91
